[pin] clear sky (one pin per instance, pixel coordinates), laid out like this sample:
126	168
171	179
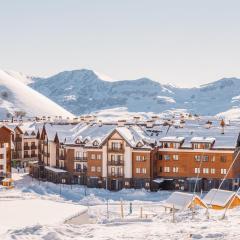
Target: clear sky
184	42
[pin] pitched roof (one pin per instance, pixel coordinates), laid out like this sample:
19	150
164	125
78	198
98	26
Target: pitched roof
218	197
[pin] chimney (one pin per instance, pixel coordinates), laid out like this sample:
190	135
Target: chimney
136	119
149	123
208	124
121	123
155	118
100	123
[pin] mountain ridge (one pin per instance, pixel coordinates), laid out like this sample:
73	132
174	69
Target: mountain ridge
85	92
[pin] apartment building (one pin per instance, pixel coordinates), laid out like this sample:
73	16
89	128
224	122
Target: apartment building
200	159
156	154
6	135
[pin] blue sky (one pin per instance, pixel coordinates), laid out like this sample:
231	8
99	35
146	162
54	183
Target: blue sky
185	42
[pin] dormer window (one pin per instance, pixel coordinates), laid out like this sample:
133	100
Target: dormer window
166	145
139	144
26	134
196	146
33	133
95	143
207	145
176	145
78	141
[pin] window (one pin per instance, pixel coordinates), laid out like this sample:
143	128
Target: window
1	156
207	145
213	171
166	157
138	170
78	166
119	157
197	158
205	158
176	145
167	169
223	171
205	170
160	169
175	169
1	167
99	169
116	145
93	169
113	157
144	170
175	157
223	159
140	158
213	158
166	145
196	170
93	156
99	156
61	163
196	146
78	154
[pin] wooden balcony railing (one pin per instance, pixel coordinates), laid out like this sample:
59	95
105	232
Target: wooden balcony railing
116	163
83	159
112	174
116	150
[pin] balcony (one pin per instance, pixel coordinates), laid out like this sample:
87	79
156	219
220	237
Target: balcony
26	148
26	156
78	170
82	159
116	150
16	156
115	175
33	155
116	163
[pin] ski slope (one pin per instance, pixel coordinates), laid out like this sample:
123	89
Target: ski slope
15	95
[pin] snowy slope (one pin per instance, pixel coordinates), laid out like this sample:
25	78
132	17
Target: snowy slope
83	91
15	95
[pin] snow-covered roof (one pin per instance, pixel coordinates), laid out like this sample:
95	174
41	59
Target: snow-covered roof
181	200
203	140
218	197
56	170
172	139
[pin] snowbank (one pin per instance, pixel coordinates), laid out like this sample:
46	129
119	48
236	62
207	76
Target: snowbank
18	213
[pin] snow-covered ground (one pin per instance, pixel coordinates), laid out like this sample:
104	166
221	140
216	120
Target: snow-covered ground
154	224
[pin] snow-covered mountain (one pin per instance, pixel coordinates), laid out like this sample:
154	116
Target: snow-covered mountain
83	91
16	96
